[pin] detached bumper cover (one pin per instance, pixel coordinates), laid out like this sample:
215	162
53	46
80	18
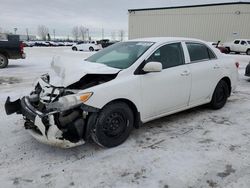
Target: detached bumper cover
12	107
43	125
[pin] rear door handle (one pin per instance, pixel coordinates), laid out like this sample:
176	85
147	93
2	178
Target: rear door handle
216	66
185	73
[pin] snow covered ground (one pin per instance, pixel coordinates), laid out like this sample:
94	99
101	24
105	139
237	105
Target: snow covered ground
195	148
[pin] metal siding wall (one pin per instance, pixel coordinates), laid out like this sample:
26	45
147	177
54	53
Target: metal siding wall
208	23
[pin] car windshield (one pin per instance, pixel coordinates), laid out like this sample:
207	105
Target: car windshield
121	55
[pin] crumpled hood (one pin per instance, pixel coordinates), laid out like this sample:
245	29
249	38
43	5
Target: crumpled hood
65	74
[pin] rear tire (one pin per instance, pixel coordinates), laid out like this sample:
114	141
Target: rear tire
91	49
113	126
220	95
74	49
228	49
248	52
3	61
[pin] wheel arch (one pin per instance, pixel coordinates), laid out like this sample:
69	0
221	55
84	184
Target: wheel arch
136	113
228	81
5	54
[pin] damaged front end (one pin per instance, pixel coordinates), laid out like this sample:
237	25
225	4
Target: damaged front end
57	115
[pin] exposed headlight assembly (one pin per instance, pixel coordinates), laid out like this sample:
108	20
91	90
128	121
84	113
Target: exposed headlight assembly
46	78
69	102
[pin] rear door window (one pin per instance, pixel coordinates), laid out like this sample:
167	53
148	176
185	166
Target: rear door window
199	52
243	42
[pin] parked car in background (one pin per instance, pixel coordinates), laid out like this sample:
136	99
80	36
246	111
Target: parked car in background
69	43
87	46
10	48
238	46
47	43
220	47
247	71
123	86
29	43
106	42
42	43
51	43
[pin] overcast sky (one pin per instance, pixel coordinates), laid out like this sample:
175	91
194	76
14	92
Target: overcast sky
63	15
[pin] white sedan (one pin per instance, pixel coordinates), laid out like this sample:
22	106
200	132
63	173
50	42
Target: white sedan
122	87
87	46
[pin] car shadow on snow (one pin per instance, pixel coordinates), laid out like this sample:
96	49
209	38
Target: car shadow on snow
145	137
137	138
14	66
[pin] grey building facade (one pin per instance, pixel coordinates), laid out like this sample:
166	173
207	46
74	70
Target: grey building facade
210	22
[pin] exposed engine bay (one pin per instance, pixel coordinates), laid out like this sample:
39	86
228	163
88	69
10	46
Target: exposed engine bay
53	116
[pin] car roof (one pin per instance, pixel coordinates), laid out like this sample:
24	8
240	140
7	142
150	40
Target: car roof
166	39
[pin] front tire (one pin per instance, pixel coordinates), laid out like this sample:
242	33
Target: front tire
91	49
220	95
113	126
74	49
3	61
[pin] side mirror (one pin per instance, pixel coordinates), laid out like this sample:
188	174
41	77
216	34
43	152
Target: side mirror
152	67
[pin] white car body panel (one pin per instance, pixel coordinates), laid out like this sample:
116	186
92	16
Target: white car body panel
169	82
65	74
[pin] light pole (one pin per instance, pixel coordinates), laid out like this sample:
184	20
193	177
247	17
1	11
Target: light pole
54	32
27	32
15	30
102	33
88	33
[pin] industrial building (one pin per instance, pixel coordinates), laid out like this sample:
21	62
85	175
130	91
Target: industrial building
210	22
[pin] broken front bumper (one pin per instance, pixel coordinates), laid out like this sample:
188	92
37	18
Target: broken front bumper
41	126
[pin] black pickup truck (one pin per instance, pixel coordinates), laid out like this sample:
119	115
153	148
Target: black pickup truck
10	48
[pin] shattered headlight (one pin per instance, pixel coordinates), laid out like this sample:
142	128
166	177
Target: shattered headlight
46	78
69	102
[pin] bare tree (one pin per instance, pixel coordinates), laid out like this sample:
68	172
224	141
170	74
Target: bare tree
42	31
75	32
83	32
121	34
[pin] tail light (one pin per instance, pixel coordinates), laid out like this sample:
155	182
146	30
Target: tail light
237	64
21	47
